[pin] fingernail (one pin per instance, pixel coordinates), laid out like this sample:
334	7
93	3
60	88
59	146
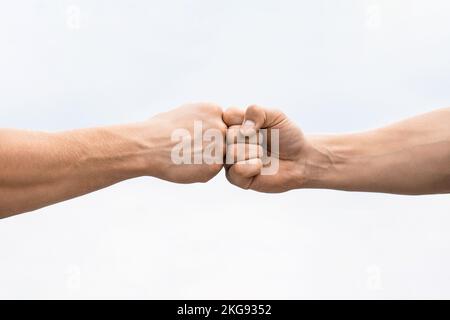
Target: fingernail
248	127
248	124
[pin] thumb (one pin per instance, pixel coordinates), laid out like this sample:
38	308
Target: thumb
241	173
257	117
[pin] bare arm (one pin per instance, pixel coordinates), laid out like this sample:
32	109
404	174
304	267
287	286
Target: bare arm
38	168
408	157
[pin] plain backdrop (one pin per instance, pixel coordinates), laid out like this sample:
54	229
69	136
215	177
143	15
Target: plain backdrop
332	66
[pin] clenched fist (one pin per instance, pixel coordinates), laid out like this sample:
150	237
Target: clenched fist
291	150
188	143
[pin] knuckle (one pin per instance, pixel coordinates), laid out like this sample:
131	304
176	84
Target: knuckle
216	167
213	169
278	112
253	108
215	108
223	128
208	107
209	172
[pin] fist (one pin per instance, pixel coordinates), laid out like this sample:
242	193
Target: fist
288	150
188	143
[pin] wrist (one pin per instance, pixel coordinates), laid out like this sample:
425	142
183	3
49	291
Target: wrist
144	148
338	161
324	160
120	152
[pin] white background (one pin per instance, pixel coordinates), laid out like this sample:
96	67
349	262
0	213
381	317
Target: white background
332	66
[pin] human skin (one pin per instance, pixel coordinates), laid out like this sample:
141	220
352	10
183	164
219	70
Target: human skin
39	168
410	157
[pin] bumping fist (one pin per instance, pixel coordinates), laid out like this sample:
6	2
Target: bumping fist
261	148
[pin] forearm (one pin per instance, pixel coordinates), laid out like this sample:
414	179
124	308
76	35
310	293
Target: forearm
39	169
409	157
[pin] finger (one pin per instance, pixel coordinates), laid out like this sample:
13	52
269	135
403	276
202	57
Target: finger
233	116
235	136
241	151
242	173
257	117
